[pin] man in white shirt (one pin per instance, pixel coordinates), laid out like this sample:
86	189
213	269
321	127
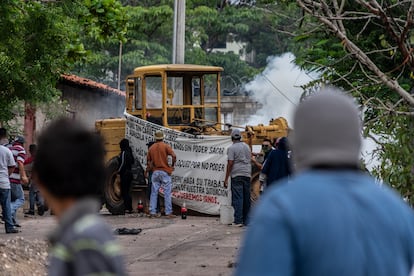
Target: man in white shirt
7	165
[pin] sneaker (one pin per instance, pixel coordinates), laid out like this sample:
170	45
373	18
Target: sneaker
236	224
16	224
12	231
171	216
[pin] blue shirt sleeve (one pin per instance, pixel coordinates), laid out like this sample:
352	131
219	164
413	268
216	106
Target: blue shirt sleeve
268	245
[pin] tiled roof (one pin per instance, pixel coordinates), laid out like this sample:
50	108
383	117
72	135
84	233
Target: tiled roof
91	84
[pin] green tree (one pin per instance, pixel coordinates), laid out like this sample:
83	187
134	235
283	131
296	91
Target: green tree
366	48
41	40
208	24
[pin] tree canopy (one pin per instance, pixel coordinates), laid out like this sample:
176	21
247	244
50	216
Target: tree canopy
42	39
209	24
367	49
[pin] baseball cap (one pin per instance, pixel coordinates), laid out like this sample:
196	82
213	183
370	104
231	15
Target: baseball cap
235	133
19	139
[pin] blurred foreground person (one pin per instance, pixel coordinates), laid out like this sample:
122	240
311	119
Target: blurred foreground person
331	218
69	171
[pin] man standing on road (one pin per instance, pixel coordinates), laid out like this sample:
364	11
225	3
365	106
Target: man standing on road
7	165
161	160
69	170
239	168
18	177
331	218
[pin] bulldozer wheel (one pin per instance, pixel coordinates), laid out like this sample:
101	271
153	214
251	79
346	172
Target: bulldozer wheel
254	188
112	189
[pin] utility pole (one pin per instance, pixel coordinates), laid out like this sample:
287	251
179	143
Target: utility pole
179	32
119	65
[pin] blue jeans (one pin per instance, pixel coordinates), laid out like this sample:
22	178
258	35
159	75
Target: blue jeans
17	198
149	190
161	179
240	198
5	205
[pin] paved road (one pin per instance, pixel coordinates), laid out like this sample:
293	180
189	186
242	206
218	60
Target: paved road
195	246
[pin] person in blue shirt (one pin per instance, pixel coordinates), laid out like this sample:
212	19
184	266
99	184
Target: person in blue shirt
331	218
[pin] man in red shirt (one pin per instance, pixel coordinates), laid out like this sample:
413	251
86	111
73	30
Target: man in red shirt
161	160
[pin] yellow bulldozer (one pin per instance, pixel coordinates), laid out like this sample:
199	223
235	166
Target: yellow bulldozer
183	101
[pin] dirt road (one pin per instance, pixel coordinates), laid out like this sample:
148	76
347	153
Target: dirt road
195	246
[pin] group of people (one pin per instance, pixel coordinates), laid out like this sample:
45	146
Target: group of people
329	218
15	171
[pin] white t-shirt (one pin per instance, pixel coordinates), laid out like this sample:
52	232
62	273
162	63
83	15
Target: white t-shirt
6	161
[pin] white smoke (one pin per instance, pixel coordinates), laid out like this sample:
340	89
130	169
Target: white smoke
277	88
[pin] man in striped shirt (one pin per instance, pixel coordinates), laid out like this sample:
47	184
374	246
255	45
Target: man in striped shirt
18	177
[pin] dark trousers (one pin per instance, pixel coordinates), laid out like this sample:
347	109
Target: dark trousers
34	197
240	198
126	179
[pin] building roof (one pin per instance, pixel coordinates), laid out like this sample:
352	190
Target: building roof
90	84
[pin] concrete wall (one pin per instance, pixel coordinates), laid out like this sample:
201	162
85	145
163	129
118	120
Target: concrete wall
236	110
89	105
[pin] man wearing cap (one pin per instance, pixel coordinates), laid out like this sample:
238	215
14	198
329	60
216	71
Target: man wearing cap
18	177
239	168
161	160
331	218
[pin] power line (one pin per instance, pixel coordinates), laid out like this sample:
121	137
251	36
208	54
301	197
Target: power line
286	97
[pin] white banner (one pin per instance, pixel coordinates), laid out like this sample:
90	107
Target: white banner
198	178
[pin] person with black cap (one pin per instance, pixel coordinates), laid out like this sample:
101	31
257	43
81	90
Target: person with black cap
239	168
331	218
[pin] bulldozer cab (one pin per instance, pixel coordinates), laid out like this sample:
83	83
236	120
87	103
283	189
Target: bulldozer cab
176	96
